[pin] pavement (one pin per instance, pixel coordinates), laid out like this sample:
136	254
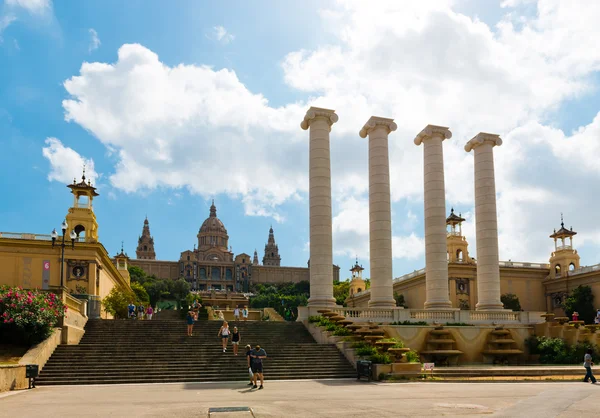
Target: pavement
322	398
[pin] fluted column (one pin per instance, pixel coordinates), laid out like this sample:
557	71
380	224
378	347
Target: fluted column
486	222
436	259
321	252
380	211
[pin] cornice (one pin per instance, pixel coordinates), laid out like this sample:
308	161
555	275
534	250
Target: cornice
376	122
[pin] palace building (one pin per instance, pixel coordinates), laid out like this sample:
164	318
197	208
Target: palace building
211	265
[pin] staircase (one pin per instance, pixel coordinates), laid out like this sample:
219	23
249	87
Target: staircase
130	351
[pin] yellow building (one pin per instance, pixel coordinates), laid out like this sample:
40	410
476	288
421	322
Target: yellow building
539	286
75	260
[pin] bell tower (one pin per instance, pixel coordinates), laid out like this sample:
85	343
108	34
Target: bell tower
145	248
271	257
357	284
122	260
458	247
565	257
81	215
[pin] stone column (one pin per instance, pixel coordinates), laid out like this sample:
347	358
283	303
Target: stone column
436	259
321	248
380	212
486	222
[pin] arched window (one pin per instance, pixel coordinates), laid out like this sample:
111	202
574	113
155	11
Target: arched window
459	255
359	290
571	267
145	248
557	269
272	254
80	231
215	273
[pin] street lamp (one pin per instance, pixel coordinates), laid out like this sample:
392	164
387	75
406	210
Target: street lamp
54	235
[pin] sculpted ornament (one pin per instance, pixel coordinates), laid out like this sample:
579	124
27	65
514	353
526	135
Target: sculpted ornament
376	122
317	113
482	138
431	131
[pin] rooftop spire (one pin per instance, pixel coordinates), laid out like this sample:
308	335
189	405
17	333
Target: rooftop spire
213	210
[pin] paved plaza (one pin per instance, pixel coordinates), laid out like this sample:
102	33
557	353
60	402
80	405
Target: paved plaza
310	399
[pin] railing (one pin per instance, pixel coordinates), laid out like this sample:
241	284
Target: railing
453	234
366	313
582	270
519	264
409	275
564	247
431	315
38	237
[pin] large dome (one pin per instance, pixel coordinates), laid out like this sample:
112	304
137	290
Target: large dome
213	224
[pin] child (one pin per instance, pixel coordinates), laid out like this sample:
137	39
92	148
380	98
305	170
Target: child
588	363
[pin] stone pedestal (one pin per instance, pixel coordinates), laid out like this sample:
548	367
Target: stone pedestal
380	213
321	248
436	253
486	226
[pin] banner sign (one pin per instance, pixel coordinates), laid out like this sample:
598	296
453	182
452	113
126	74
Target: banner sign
428	366
46	274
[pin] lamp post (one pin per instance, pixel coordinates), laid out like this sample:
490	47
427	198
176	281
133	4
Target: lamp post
73	235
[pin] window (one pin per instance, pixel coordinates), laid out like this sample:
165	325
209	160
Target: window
215	273
203	273
188	257
459	255
557	269
228	274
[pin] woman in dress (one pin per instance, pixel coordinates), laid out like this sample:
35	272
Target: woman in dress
235	340
224	334
190	323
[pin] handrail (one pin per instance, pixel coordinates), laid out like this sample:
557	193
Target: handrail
39	237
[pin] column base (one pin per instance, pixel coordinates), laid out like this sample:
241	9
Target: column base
438	305
385	304
490	307
321	302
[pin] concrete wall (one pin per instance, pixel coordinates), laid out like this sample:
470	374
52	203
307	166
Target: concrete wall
12	377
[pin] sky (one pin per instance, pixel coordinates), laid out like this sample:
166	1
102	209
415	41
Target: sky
172	104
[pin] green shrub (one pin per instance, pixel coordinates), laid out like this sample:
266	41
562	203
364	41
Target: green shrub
366	350
511	301
557	351
582	301
418	323
331	327
28	316
397	343
458	324
342	332
379	358
413	357
313	319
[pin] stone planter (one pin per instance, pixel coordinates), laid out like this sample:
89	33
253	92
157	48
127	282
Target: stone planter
406	369
381	368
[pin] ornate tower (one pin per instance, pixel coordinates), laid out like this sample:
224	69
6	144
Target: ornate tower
121	260
458	247
565	257
145	248
255	260
271	257
81	216
357	284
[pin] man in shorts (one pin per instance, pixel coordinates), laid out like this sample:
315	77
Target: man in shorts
257	355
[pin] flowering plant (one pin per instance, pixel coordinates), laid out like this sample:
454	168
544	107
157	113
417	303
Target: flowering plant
28	316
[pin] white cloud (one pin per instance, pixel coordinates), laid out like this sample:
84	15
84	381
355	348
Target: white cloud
5	22
201	128
32	6
219	33
66	164
94	41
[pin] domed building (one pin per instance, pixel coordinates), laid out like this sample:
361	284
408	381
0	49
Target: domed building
211	264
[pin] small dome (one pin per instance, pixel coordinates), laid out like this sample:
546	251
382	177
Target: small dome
212	223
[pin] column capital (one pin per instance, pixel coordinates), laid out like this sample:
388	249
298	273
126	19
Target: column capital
482	138
376	122
317	113
431	131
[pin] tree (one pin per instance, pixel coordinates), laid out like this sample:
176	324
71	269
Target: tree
137	274
511	301
140	293
399	298
115	303
156	289
341	291
180	289
581	300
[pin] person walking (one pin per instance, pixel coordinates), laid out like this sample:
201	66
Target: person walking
257	355
131	310
224	334
249	361
149	312
190	323
588	363
236	313
141	311
235	340
245	313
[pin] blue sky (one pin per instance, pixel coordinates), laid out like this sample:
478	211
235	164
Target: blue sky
184	103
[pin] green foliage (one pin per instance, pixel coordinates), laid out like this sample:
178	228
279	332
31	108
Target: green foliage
413	357
458	324
314	318
380	358
397	343
140	293
157	290
557	351
282	297
418	323
137	274
399	298
116	302
322	321
331	327
180	289
511	301
342	332
341	291
28	316
581	300
365	350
